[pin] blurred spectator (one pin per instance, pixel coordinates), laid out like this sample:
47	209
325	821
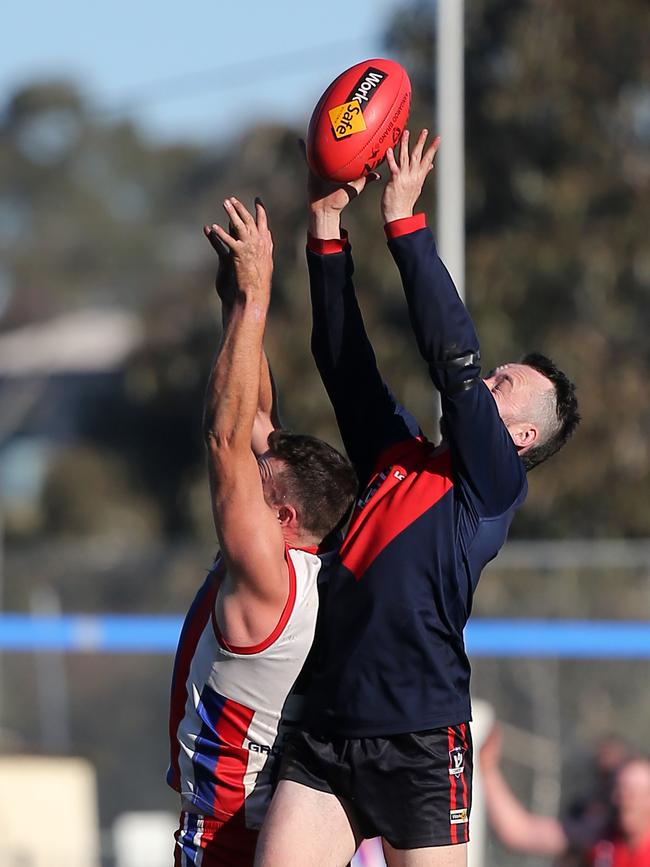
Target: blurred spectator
630	846
593	815
570	839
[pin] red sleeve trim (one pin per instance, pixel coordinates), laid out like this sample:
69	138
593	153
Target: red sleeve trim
405	226
282	622
328	246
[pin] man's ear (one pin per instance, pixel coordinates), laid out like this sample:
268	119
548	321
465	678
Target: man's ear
287	516
524	434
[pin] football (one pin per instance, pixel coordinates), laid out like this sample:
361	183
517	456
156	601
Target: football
361	114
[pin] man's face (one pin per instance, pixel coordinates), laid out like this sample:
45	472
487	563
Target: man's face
514	388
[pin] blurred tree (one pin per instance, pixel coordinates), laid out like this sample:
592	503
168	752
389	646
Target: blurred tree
87	493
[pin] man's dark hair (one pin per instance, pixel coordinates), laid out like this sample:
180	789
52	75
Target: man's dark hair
317	480
566	409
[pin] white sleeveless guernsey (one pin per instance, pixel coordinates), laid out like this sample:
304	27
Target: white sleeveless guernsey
232	707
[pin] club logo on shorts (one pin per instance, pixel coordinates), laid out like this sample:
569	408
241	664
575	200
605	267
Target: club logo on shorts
456	761
458	817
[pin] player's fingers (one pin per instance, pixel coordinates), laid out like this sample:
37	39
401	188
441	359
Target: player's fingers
234	220
353	188
242	212
260	214
207	231
230	242
357	186
404	149
392	162
431	150
217	245
238	226
419	145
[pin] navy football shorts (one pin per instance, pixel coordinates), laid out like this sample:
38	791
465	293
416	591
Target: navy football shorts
414	790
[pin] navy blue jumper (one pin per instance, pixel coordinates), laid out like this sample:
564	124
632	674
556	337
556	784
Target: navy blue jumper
391	655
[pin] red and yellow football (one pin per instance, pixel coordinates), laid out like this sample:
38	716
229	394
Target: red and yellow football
361	114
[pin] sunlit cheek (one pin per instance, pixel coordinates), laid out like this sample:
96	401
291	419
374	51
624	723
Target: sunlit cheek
504	406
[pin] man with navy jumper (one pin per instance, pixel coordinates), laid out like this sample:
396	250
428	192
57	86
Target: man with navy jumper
386	749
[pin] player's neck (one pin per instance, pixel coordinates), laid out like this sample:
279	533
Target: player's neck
297	539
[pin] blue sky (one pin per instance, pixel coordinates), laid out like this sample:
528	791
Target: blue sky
191	70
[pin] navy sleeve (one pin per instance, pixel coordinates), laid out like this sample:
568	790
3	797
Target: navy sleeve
369	417
485	458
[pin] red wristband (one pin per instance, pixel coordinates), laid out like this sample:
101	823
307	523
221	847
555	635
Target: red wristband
325	247
405	225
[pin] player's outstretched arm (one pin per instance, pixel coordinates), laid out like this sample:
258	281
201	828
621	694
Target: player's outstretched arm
267	418
483	452
368	415
250	536
442	326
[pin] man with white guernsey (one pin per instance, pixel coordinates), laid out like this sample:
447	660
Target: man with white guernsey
276	496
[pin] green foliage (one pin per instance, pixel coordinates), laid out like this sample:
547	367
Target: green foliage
87	493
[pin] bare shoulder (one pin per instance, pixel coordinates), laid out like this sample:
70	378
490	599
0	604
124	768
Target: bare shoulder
247	617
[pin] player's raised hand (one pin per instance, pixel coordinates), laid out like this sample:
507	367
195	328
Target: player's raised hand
250	245
225	282
408	173
332	196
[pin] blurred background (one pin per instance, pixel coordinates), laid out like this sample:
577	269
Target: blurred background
122	128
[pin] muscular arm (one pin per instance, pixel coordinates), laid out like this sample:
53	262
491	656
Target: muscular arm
267	417
250	536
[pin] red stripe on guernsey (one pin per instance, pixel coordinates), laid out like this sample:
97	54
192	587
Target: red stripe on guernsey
413	452
232	728
192	629
394	500
451	737
282	622
465	827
